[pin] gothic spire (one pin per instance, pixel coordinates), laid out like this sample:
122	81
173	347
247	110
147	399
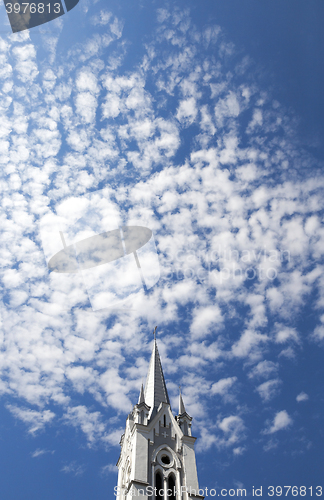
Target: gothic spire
181	403
141	398
155	388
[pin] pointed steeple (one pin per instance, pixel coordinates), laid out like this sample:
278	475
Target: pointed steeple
141	398
155	388
157	449
183	419
181	403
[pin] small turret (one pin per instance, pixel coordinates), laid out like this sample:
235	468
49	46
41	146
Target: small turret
183	419
141	410
181	404
141	398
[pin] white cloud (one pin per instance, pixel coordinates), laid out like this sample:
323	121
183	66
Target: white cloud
264	369
108	469
284	334
257	120
224	207
39	452
74	468
239	450
222	386
89	422
269	389
187	111
86	81
233	428
248	343
116	27
318	334
281	421
35	420
204	319
302	396
26	67
226	108
102	18
271	445
86	105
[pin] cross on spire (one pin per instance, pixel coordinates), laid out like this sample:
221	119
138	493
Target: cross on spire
154	333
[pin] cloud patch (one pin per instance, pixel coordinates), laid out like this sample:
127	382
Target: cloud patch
281	421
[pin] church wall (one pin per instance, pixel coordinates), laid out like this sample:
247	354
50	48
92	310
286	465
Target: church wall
190	468
138	492
140	458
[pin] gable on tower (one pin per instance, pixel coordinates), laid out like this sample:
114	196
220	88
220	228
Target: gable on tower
157	449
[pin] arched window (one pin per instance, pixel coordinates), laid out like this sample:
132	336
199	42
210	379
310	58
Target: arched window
159	486
172	487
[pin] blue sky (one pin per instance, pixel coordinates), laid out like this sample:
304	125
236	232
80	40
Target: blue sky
204	122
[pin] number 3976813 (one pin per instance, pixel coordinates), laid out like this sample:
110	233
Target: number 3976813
33	8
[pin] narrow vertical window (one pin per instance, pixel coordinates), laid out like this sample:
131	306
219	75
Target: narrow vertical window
164	421
172	487
159	495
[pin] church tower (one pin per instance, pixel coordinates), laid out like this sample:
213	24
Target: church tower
157	459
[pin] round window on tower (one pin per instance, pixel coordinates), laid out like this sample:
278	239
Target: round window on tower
165	458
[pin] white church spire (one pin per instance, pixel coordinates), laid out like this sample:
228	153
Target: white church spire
141	398
155	389
182	408
157	449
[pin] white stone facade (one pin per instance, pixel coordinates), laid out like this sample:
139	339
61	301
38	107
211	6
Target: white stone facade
157	459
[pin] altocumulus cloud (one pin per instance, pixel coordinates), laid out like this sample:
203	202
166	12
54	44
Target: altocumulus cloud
281	421
237	224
